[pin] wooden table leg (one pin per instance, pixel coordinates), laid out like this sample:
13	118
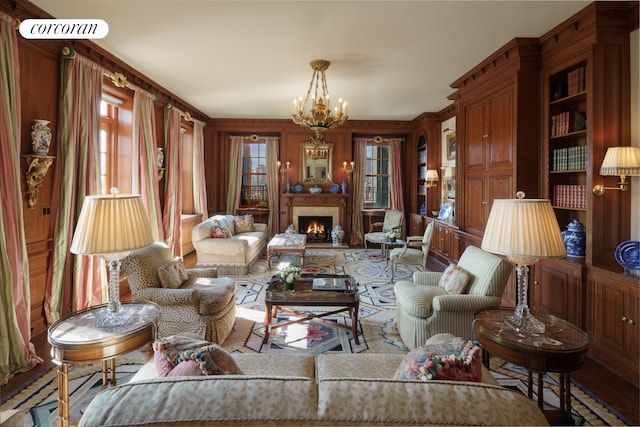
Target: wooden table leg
353	314
267	323
105	375
269	253
540	391
63	395
113	372
529	385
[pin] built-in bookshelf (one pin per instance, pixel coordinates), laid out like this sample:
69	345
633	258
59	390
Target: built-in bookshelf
422	174
567	142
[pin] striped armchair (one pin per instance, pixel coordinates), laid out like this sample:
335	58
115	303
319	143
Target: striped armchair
425	309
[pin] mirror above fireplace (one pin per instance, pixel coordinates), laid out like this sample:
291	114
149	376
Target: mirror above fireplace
316	160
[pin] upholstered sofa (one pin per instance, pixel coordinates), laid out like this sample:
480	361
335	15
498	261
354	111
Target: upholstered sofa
232	255
293	389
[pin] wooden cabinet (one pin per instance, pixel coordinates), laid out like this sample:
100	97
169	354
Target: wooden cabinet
613	323
498	131
446	243
416	225
556	288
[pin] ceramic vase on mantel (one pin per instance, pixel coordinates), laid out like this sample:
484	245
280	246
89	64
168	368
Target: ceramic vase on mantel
160	157
40	137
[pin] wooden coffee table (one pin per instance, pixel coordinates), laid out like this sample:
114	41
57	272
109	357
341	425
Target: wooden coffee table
286	242
304	296
562	348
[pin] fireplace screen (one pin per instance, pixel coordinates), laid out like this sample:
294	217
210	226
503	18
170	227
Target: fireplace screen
317	228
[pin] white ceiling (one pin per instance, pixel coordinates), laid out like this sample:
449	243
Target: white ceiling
391	60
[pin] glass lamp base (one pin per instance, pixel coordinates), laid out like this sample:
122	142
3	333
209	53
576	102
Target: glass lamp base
523	321
112	319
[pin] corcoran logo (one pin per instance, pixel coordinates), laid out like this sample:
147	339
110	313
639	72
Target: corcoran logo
64	29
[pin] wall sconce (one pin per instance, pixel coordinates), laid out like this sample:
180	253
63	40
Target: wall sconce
348	167
37	167
622	162
431	178
283	168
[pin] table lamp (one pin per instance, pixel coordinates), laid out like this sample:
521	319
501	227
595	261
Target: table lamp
112	226
523	230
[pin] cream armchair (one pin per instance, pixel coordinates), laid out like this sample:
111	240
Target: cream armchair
414	251
425	309
204	304
392	221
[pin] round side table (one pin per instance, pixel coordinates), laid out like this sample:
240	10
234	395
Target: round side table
562	349
76	339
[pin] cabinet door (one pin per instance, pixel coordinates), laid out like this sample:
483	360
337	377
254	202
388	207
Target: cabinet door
476	137
499	186
500	131
557	290
475	203
613	326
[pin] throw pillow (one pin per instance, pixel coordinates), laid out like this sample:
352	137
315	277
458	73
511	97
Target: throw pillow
166	350
213	359
220	233
454	359
223	221
172	274
454	280
243	224
188	368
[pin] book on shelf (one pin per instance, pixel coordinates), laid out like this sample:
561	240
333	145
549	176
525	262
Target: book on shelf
569	159
575	81
330	284
567	122
570	196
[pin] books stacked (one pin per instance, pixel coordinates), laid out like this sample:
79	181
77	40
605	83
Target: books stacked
567	122
570	196
575	81
330	284
569	159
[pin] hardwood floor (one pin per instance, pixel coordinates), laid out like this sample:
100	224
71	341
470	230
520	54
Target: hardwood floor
611	389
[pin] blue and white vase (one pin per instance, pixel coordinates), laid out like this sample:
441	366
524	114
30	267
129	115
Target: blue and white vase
344	187
337	235
287	186
575	239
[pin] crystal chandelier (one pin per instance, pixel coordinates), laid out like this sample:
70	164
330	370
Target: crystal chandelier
315	111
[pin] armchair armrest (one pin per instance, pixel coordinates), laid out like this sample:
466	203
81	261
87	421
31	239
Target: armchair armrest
464	302
375	224
202	272
165	296
430	278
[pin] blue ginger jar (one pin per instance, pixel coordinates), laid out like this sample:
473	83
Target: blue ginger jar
575	239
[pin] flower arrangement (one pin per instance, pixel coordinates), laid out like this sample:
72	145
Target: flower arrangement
393	234
288	275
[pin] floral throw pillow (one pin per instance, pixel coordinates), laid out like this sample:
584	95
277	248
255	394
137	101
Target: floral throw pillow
166	350
454	280
454	359
220	233
172	274
243	224
213	360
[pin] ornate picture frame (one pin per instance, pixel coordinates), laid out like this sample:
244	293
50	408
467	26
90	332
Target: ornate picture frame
451	146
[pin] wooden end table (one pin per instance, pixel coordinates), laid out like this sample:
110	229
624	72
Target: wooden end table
562	349
286	242
304	296
76	339
386	245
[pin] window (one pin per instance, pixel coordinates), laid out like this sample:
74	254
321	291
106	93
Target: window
254	175
186	147
377	178
115	140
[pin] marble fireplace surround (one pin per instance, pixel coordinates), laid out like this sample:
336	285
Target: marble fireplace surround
302	204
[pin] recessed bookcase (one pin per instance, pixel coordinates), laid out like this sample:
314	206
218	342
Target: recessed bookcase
566	129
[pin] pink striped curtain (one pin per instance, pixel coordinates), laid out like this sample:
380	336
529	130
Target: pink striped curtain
145	147
360	169
199	182
395	160
75	281
15	318
173	181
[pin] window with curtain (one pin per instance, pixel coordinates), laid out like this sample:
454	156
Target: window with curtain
254	175
186	147
116	155
377	178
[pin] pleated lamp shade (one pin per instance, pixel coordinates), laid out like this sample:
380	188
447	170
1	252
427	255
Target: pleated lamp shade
113	224
621	161
524	230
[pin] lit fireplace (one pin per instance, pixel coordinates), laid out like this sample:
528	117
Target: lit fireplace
317	228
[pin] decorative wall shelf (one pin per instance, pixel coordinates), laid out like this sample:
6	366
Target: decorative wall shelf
37	167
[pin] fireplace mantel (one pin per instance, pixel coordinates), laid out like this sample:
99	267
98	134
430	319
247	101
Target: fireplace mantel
324	202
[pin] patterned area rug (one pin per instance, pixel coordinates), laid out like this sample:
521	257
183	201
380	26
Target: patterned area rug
376	328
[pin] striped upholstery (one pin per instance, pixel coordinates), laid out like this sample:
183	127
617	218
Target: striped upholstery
424	309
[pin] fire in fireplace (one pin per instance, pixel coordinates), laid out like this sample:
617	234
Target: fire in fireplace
317	228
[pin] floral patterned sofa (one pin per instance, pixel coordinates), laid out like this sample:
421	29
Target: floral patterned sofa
230	243
299	389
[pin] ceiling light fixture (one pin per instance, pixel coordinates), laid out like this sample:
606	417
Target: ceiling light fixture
315	111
